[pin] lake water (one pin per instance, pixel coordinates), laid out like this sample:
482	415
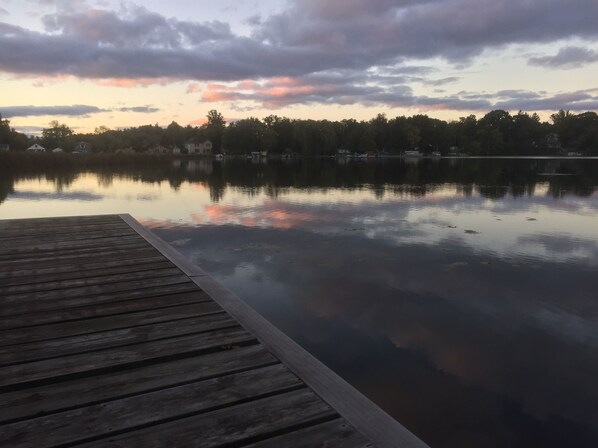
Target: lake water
458	294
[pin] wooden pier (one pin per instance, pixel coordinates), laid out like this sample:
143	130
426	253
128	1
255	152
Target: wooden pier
109	337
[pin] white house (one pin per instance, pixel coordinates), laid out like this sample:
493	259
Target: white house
58	149
36	148
200	149
4	147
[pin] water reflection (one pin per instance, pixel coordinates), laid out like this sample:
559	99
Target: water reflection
490	178
458	294
459	345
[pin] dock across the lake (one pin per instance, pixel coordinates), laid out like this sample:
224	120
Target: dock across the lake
109	337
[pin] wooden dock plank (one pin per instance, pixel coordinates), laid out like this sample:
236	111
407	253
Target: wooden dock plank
21	315
161	270
109	337
54	222
59	231
60	258
124	286
98	362
36	248
127	414
65	395
72	272
17	241
245	422
111	322
335	433
96	340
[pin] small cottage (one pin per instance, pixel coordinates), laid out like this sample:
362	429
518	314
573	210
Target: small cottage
36	148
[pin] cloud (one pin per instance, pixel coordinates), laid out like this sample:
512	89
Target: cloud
70	111
30	130
442	81
579	100
3	12
371	89
193	87
129	83
307	37
32	111
566	58
139	109
380	31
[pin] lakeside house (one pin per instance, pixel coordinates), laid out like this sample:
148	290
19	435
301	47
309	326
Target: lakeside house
82	148
199	149
159	149
414	153
58	149
4	147
36	148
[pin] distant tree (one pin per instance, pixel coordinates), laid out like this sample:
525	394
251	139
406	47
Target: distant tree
380	132
215	118
247	135
495	131
215	129
283	132
586	133
527	134
57	135
5	131
101	130
174	135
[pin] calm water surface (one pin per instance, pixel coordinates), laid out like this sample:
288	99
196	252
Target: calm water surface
460	295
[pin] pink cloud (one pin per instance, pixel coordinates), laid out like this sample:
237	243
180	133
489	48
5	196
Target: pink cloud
213	96
129	83
274	92
193	87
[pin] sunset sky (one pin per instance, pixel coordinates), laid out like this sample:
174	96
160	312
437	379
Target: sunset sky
119	63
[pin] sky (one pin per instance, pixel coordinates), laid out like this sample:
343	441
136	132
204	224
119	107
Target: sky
91	63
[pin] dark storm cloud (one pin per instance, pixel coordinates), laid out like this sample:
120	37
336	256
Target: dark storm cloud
31	111
308	37
566	58
382	30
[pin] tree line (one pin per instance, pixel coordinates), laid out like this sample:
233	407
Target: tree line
496	133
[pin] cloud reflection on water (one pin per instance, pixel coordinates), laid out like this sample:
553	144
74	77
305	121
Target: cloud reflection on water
56	196
489	327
